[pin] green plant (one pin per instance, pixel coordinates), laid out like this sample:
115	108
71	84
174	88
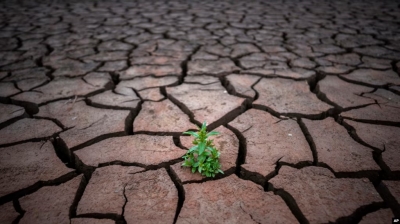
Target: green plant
203	156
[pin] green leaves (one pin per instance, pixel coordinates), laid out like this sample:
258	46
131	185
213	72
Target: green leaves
194	148
212	133
192	133
201	147
203	156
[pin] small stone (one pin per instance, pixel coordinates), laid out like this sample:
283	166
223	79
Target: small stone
27	129
141	149
232	200
337	149
321	193
50	204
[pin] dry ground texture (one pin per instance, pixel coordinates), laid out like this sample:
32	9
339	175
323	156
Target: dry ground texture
95	95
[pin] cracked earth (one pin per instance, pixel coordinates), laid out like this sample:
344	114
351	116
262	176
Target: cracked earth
95	95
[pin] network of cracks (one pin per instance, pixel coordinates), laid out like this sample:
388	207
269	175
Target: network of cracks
95	96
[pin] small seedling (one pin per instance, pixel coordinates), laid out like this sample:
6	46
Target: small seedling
203	156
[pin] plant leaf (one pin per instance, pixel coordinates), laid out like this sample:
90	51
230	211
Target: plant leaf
202	158
192	133
194	148
204	126
202	147
212	133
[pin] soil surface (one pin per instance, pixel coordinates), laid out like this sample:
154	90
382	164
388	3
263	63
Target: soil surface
95	96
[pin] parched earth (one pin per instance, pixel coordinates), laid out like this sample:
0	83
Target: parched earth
95	95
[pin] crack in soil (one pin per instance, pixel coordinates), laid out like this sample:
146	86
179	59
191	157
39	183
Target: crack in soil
274	45
126	201
251	217
291	203
181	192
